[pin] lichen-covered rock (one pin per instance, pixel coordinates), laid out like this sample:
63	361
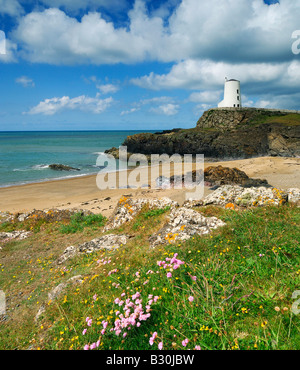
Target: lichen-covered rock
182	224
127	208
293	195
244	197
109	242
16	235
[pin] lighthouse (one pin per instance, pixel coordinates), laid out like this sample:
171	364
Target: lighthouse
232	94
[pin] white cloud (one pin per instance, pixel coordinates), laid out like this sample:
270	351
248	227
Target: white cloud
11	7
243	31
107	88
25	81
166	109
84	103
208	74
129	111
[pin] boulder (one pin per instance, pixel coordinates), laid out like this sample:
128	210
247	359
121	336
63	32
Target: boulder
109	242
182	224
245	197
127	208
62	167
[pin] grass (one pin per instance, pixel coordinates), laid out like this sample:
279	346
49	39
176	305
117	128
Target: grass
291	119
79	221
241	278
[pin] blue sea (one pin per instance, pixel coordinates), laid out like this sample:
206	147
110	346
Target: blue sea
25	156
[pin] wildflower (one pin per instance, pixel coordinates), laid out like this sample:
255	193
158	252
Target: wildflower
169	275
191	298
84	331
89	322
198	348
185	342
194	278
160	345
86	347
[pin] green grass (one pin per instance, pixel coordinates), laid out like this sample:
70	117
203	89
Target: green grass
79	221
291	119
245	273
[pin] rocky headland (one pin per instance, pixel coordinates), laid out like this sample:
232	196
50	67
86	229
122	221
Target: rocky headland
226	133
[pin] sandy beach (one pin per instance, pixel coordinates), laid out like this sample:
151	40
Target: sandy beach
83	192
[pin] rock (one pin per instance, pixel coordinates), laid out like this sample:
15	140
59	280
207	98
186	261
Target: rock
62	167
56	292
226	133
182	224
127	208
219	175
14	235
294	195
50	214
109	242
245	197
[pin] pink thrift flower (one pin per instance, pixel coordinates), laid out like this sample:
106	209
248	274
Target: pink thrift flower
93	346
160	345
124	335
185	342
198	348
84	331
194	278
191	298
89	323
169	275
86	347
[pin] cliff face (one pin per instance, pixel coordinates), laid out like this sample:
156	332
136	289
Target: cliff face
228	133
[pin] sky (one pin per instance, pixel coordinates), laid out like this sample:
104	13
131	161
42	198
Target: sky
142	64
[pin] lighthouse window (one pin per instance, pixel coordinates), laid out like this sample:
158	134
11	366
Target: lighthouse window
238	98
237	91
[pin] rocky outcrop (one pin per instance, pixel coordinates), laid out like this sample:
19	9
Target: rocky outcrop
14	235
108	242
243	197
226	133
62	167
127	208
183	223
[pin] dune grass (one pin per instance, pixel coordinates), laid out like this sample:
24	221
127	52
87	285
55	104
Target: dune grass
229	290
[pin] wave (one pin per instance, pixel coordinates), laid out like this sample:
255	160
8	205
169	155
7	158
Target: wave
37	167
40	167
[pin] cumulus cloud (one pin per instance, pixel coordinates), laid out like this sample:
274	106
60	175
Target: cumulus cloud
83	103
243	31
11	7
25	81
208	74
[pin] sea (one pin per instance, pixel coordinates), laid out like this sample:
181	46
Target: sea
25	156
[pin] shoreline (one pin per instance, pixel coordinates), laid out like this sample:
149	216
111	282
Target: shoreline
81	192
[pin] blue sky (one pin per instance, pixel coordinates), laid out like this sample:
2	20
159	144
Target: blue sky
141	64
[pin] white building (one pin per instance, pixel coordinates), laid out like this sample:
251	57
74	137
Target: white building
232	94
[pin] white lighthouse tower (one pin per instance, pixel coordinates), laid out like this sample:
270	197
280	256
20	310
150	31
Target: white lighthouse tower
232	94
